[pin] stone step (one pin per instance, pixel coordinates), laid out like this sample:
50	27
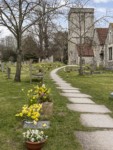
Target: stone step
81	100
63	84
92	108
75	95
67	88
96	120
96	140
71	91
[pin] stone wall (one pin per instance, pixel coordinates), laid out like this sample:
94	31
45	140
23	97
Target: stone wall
97	48
108	44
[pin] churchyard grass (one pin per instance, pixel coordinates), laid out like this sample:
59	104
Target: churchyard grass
99	86
63	121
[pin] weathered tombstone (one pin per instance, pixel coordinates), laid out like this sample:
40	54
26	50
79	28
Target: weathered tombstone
111	96
8	72
9	63
39	60
2	67
15	64
51	58
39	125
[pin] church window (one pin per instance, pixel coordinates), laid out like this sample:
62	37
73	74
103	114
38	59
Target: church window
110	53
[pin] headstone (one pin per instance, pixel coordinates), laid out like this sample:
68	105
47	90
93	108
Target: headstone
15	64
2	67
8	72
111	96
39	125
51	58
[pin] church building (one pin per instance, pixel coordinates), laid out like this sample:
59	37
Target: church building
92	45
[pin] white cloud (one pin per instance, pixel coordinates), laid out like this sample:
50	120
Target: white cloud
102	1
101	10
4	32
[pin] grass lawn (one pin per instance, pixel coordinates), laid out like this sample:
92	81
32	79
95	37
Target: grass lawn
60	134
63	122
99	86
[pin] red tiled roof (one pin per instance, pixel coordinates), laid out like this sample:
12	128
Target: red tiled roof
102	35
86	50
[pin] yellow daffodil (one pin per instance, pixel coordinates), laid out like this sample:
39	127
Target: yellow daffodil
44	125
30	112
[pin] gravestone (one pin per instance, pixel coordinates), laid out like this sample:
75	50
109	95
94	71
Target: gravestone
8	72
39	125
2	67
111	96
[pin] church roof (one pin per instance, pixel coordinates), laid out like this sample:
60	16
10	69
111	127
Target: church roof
87	50
102	35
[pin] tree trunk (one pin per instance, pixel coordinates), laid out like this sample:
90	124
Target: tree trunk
19	58
18	67
81	67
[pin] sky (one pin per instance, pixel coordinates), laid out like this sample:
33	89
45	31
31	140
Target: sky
102	7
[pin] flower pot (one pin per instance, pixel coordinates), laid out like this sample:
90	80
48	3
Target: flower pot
34	145
47	109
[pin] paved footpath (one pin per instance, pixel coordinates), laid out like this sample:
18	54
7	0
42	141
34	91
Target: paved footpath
92	115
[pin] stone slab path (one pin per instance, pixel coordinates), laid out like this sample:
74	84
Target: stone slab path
75	95
88	108
96	120
67	88
92	115
80	100
97	140
70	91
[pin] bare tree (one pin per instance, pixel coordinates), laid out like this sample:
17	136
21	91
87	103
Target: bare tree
16	16
45	28
29	48
59	46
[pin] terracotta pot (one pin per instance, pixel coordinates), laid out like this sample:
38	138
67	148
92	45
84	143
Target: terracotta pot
34	145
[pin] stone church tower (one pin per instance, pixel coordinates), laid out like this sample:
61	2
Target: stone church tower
81	31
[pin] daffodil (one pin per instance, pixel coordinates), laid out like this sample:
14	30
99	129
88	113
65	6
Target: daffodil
44	125
30	112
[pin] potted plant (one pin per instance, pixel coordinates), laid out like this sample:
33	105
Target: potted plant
41	94
30	113
34	139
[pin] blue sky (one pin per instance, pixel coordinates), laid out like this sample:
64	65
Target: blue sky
102	7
